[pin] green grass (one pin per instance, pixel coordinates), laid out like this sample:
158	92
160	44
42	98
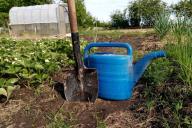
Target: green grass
158	72
180	50
168	90
182	55
58	122
162	24
167	99
101	125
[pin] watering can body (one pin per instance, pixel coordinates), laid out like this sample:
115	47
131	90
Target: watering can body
116	73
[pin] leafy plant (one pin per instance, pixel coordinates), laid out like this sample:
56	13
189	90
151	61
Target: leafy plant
182	55
7	87
58	122
180	28
162	24
169	82
158	72
31	63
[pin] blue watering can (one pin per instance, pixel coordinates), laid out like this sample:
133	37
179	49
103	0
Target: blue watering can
117	73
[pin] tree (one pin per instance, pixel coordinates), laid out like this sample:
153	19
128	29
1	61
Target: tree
146	10
119	20
183	8
134	14
84	18
4	17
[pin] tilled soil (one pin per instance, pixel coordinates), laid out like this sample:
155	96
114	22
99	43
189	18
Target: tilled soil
148	42
38	110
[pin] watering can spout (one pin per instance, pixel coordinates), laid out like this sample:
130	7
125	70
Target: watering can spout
142	64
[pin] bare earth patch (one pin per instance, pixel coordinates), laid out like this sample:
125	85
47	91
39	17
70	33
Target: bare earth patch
39	111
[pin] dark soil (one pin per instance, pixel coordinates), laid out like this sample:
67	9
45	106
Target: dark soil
38	107
39	110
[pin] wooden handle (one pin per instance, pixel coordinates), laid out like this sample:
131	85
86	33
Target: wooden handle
72	16
75	35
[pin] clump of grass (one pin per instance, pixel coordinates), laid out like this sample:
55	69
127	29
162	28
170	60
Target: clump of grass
167	100
162	24
180	50
158	72
180	28
182	55
58	122
168	90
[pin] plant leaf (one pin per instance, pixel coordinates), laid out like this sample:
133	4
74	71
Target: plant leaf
12	81
3	92
39	66
10	89
2	82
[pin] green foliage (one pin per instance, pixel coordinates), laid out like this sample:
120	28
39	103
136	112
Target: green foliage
30	63
181	29
84	18
58	122
4	17
158	72
166	96
33	2
102	24
162	24
182	55
183	8
172	98
134	14
7	86
102	125
181	49
145	9
119	19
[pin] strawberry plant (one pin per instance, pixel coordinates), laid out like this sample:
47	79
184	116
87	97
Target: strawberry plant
30	63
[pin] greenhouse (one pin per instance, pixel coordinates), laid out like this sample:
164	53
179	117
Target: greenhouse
40	20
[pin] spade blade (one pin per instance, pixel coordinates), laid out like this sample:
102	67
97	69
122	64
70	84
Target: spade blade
72	88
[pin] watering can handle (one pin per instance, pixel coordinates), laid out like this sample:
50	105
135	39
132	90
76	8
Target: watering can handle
108	44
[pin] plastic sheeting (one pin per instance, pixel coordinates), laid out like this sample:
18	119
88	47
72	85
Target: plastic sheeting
47	13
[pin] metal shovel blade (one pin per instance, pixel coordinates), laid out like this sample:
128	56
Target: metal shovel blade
72	88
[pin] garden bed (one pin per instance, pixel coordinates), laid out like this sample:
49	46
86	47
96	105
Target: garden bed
40	102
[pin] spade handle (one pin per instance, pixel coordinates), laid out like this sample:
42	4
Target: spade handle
75	35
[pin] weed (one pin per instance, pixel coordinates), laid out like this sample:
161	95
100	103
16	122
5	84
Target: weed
101	124
181	54
162	24
58	122
158	72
